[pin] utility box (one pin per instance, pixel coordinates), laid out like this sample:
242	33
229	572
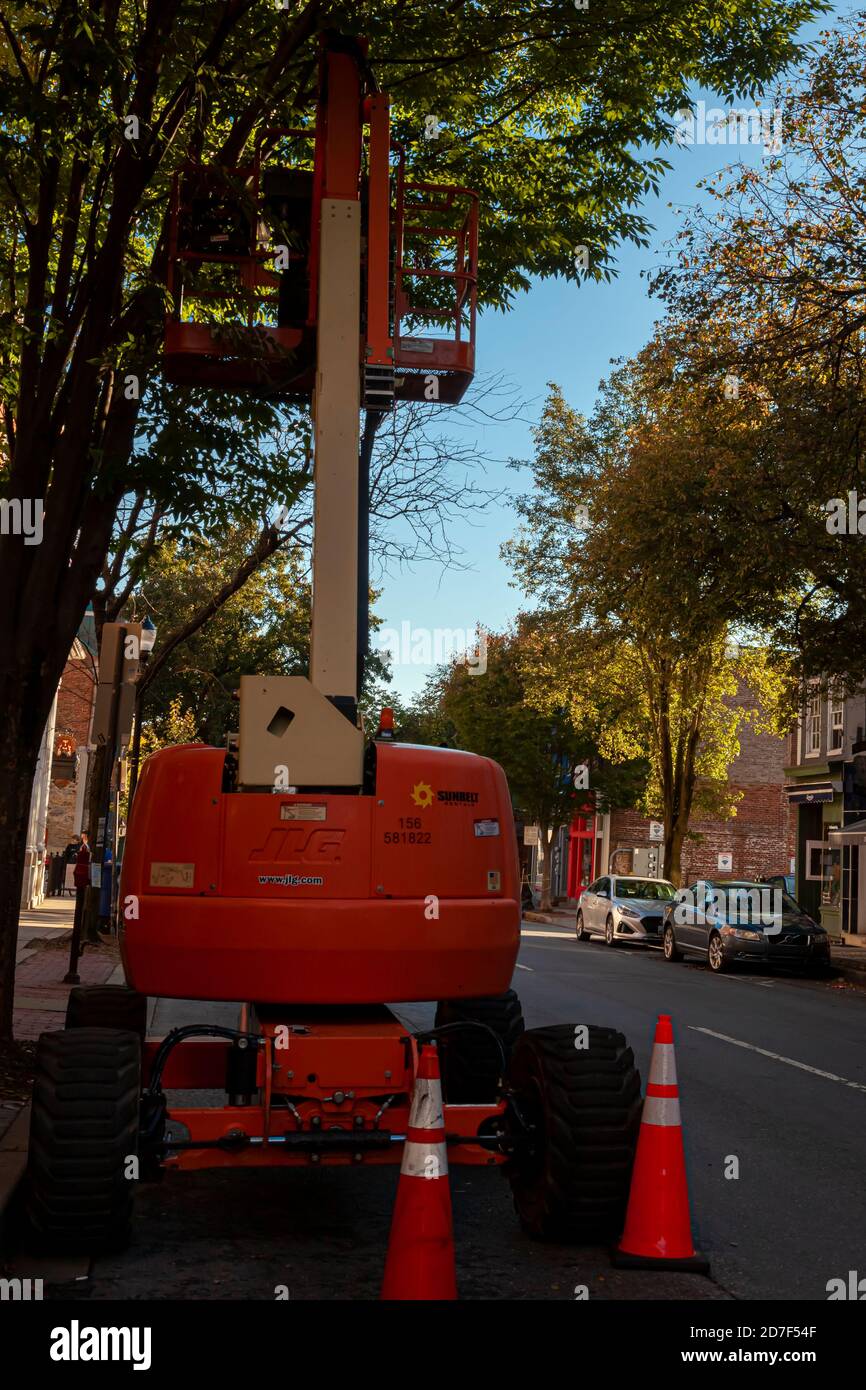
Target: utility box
646	861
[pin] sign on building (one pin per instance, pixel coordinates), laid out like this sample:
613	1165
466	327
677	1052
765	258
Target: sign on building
726	862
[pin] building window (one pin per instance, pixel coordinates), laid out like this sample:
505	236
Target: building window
813	726
831	876
835	723
815	860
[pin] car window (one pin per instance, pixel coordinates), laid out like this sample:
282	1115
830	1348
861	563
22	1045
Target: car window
756	903
593	887
603	888
653	889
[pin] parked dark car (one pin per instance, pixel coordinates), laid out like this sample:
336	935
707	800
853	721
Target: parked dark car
743	923
783	881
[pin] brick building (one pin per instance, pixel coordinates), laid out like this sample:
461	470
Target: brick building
760	839
57	799
75	698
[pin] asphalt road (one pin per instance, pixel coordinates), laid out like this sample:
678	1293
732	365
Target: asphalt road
794	1218
796	1215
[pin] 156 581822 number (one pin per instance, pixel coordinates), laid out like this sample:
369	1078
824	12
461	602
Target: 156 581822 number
410	833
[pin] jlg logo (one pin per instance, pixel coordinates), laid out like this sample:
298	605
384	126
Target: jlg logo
295	844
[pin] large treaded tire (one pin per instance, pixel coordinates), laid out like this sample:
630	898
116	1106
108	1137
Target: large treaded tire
471	1069
107	1006
572	1183
83	1128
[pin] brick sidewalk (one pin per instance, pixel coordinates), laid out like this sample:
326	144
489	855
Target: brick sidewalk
40	994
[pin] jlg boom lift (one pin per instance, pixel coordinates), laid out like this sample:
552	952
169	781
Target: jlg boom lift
305	869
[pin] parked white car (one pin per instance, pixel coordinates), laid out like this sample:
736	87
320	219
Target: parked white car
623	907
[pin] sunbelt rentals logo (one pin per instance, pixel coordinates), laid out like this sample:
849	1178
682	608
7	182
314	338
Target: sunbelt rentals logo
423	796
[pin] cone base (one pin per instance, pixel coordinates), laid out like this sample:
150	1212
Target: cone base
690	1264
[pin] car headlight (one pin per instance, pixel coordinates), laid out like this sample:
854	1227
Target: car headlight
629	912
742	934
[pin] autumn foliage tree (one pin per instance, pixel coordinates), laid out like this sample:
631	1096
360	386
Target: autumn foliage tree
767	292
612	545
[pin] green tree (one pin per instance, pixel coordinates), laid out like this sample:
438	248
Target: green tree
612	544
768	292
542	107
487	711
263	626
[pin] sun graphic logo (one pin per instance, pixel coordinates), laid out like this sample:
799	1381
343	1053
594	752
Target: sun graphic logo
422	795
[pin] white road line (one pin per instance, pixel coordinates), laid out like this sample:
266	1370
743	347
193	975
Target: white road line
525	967
557	935
777	1057
744	980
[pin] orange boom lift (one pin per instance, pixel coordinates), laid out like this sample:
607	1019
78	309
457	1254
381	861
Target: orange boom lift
307	869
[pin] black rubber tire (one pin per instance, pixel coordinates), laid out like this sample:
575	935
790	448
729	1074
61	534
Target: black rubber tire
675	953
608	926
580	929
820	972
572	1184
83	1129
471	1068
107	1006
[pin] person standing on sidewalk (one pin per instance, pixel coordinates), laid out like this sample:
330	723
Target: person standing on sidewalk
81	872
81	879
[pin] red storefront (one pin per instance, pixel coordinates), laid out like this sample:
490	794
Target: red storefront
582	851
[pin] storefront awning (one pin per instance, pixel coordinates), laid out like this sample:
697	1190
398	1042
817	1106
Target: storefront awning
812	793
852	834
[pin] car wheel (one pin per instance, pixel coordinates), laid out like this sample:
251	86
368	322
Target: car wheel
609	939
715	955
582	933
669	945
819	972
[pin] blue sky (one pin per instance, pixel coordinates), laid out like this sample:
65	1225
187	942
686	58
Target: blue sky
567	333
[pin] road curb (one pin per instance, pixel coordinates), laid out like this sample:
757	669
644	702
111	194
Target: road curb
852	971
547	918
13	1162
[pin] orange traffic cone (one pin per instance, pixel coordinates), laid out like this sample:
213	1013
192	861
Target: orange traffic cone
658	1232
420	1263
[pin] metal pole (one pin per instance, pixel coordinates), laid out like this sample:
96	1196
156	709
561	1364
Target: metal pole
72	977
91	910
135	751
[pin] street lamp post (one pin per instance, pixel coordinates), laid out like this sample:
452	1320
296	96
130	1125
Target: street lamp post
148	638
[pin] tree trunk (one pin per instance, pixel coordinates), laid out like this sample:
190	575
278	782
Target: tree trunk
675	833
546	832
20	738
